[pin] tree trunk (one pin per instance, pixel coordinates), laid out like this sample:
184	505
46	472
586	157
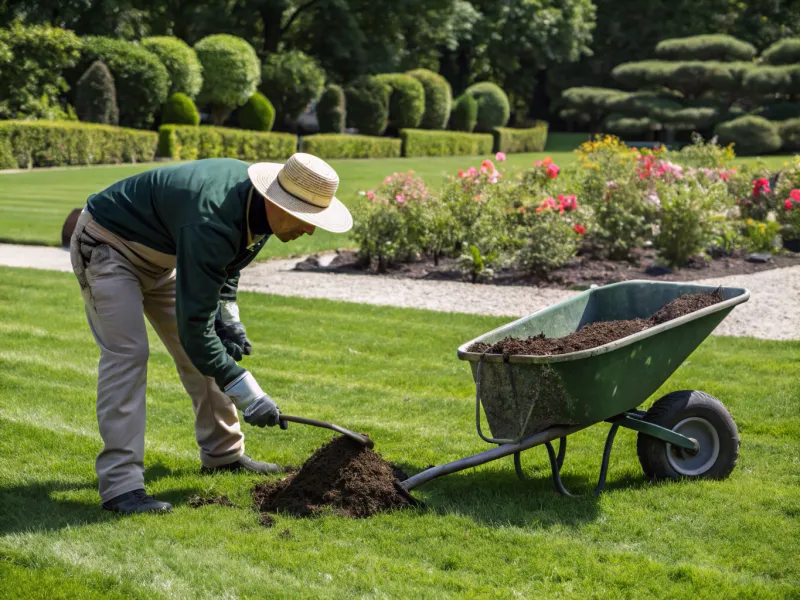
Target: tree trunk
271	13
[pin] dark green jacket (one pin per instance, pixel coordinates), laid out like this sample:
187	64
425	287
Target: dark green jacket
197	212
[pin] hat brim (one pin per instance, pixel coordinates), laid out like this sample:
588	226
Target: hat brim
334	218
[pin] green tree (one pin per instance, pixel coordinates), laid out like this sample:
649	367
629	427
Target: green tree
292	80
96	96
180	60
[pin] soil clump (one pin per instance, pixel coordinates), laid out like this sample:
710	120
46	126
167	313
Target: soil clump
198	501
598	333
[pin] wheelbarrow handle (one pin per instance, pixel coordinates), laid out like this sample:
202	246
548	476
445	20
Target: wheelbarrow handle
357	437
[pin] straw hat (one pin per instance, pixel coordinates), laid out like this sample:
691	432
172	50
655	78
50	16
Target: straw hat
304	187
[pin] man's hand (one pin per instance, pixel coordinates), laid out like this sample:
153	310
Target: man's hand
230	331
257	406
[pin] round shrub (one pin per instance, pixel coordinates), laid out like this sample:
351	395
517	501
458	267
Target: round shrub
368	105
493	108
96	96
292	80
789	131
231	73
331	111
180	110
406	100
465	113
619	124
141	80
767	80
180	60
783	52
438	98
257	114
750	135
705	47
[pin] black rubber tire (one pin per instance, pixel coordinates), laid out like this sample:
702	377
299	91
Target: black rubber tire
671	410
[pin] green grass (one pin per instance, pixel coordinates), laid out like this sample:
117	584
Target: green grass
394	374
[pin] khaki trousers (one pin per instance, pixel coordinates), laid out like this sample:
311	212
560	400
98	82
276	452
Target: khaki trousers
121	283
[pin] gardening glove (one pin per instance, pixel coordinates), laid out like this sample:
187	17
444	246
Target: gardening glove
257	407
230	330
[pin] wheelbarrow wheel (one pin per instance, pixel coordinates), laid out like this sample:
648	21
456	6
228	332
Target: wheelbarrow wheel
696	415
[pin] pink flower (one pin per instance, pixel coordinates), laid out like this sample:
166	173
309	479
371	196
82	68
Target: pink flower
580	229
400	198
795	195
472	172
761	185
488	165
788	204
547	161
552	171
461	173
500	156
493	179
371	195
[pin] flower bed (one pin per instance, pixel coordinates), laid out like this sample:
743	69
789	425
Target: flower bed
618	206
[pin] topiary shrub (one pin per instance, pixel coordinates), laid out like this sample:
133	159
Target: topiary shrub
191	143
180	110
331	111
531	139
628	126
406	101
438	98
705	47
789	131
183	67
292	80
464	116
767	80
493	108
335	145
96	96
749	135
368	105
783	52
32	64
424	142
7	160
231	73
141	80
257	114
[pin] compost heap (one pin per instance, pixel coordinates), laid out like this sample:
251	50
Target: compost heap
342	476
599	333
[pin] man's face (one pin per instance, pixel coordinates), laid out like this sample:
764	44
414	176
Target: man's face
285	226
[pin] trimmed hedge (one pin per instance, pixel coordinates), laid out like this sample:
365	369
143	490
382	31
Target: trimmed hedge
783	52
421	142
65	143
493	107
257	114
789	131
7	160
183	67
183	142
334	145
368	105
180	110
750	135
520	140
438	98
331	110
96	96
464	116
705	47
406	101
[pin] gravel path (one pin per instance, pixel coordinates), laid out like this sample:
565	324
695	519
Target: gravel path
773	311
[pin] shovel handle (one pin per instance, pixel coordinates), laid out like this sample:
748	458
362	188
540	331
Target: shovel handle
357	437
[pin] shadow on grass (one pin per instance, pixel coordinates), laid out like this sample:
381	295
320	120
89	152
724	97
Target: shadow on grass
43	507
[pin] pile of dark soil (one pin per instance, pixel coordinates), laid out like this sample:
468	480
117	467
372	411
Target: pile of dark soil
599	333
342	476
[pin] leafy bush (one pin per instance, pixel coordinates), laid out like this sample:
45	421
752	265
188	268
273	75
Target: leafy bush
406	100
438	98
7	160
705	47
750	135
762	236
619	124
179	110
96	96
368	105
783	52
65	143
520	140
549	240
140	78
477	266
766	80
464	116
703	154
335	145
789	131
257	114
291	80
420	142
183	67
789	215
231	73
493	108
331	111
32	61
191	143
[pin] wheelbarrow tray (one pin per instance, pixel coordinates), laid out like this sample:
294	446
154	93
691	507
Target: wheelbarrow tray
523	395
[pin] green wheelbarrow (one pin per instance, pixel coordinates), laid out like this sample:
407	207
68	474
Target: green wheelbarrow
534	400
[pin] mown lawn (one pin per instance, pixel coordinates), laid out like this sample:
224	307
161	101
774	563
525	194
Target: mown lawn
394	374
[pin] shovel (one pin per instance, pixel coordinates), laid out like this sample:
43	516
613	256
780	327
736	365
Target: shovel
356	437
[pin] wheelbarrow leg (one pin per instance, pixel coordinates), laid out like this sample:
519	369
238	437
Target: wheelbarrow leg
557	462
562	450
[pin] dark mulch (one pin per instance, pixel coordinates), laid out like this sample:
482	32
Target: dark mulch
198	501
599	333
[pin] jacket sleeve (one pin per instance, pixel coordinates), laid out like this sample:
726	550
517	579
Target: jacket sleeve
202	254
229	288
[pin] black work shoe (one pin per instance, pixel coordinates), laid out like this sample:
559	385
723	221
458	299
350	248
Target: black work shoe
136	501
245	463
